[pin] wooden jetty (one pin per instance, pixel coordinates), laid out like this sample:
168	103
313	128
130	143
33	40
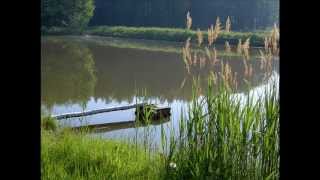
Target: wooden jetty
145	114
92	112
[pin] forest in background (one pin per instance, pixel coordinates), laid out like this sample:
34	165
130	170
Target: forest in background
246	15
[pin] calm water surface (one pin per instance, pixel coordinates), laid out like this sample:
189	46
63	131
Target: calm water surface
86	73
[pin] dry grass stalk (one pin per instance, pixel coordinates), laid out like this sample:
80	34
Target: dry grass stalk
227	47
189	21
208	52
263	60
228	25
199	37
213	32
248	70
186	54
185	59
213	77
210	35
217	26
213	55
239	47
195	58
229	79
266	43
202	61
245	48
271	42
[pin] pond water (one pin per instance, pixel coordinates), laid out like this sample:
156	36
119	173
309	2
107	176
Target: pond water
86	73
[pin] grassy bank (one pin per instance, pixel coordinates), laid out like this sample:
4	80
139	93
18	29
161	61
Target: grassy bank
220	137
146	45
70	155
155	33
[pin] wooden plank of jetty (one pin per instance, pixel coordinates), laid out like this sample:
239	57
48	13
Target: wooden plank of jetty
92	112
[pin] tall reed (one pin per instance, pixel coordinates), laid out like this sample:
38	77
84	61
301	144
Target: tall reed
223	137
189	21
228	25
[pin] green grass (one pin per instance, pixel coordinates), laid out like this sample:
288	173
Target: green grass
70	155
219	138
48	123
156	33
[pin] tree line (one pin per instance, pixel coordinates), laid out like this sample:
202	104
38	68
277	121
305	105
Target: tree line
244	14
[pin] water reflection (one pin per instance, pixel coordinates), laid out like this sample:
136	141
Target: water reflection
67	73
80	75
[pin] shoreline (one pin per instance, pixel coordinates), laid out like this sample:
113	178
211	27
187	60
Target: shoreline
160	34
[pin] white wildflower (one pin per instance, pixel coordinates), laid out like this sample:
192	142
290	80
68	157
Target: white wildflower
173	165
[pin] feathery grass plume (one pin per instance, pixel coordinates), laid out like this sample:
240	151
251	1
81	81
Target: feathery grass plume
217	29
210	35
199	37
217	26
228	25
227	47
274	38
189	21
239	47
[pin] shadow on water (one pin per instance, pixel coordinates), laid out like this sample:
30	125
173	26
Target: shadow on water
113	126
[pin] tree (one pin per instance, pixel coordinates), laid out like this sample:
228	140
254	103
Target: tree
66	13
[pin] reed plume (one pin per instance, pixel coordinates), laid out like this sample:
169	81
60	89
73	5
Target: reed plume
274	38
228	25
199	37
217	29
189	21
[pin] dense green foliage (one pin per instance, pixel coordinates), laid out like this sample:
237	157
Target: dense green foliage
245	14
73	14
